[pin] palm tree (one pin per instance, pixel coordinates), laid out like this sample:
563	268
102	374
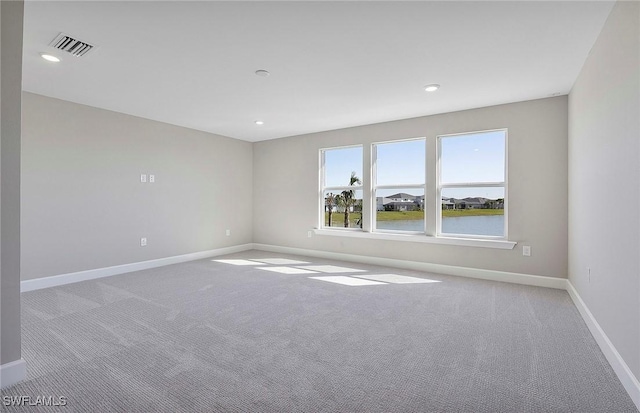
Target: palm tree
358	208
340	202
330	202
348	197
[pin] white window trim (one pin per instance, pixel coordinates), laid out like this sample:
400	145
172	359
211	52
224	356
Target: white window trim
502	184
338	189
496	243
376	187
432	186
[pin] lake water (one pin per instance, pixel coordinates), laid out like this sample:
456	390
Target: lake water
476	225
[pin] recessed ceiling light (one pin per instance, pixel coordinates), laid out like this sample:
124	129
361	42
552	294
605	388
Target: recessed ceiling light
49	57
432	88
259	122
262	73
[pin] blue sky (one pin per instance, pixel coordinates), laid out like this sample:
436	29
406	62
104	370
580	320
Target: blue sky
401	162
473	158
339	163
464	158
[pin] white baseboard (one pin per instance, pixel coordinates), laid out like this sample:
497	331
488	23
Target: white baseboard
46	282
511	277
627	378
13	372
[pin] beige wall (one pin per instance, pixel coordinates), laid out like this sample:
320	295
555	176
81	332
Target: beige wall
604	177
11	17
84	206
285	180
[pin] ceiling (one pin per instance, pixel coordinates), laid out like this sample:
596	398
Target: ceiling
333	64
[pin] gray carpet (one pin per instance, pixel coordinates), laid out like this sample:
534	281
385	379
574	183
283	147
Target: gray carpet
210	336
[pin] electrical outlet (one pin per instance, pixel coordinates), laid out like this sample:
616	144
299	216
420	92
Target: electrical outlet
309	234
526	250
143	178
152	178
228	232
143	242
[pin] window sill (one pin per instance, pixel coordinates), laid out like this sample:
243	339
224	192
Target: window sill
420	238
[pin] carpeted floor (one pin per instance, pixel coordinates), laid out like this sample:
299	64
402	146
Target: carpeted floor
235	334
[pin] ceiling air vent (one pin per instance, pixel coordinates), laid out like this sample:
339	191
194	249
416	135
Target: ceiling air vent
71	45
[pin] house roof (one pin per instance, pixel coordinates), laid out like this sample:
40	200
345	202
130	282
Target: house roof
477	200
402	195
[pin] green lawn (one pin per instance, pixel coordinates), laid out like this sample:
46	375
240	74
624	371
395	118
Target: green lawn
399	215
471	212
338	218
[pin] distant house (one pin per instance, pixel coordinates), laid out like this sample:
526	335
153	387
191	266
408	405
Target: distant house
400	206
400	202
470	203
402	197
448	203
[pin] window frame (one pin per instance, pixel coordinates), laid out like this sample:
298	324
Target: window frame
500	184
432	233
375	187
323	188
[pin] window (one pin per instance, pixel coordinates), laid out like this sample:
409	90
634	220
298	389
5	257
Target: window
472	184
399	186
341	187
445	188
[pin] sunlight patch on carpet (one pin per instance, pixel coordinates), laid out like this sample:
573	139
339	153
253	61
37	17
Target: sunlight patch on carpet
279	261
397	279
239	262
341	279
287	270
331	268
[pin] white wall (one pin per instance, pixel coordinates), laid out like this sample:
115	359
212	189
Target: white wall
84	206
604	182
286	184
